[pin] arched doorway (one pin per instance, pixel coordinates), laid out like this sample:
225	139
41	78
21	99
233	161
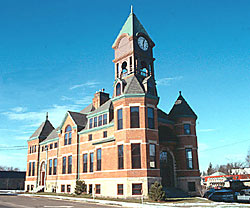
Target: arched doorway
42	174
167	169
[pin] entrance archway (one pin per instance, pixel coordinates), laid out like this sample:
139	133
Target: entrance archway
167	171
42	174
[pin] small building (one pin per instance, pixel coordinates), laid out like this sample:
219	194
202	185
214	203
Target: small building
220	180
12	180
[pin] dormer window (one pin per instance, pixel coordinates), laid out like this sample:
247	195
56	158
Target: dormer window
91	123
68	135
118	89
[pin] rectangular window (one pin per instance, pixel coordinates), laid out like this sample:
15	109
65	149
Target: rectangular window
65	139
33	168
32	187
105	134
105	119
90	188
64	165
187	129
117	70
98	189
134	117
85	163
69	164
68	188
62	188
30	149
91	123
99	159
35	148
136	189
42	148
90	137
28	188
55	145
119	189
136	156
152	156
51	146
99	120
91	162
50	167
70	138
120	157
130	62
191	186
189	158
95	122
151	118
29	168
55	166
119	119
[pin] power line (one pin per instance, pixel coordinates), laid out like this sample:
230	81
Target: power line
12	147
225	145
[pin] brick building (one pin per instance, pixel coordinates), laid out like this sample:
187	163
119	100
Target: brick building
119	145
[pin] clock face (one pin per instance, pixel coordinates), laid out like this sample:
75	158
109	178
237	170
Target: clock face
143	43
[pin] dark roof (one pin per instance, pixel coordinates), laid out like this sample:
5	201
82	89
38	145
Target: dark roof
52	135
79	118
133	86
181	109
43	130
12	174
162	114
103	107
88	109
132	27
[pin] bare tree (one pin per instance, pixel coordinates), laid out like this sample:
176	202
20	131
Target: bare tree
247	160
210	169
4	168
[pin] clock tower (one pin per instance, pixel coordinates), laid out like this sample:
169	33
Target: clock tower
134	55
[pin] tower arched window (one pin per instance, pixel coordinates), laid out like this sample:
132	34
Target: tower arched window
118	89
124	69
143	70
68	135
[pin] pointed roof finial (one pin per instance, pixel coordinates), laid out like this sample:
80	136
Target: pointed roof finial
180	92
131	9
47	116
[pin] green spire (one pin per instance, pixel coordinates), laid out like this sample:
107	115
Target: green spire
132	26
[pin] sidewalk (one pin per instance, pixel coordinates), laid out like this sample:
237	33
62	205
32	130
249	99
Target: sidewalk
204	202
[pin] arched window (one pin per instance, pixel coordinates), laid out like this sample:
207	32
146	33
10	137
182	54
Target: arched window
143	70
124	69
68	135
118	89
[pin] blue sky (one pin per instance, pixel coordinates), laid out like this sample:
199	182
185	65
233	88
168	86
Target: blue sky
55	54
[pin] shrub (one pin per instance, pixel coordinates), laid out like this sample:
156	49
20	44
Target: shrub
80	187
156	193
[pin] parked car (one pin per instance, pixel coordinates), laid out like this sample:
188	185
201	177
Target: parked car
209	192
223	195
243	195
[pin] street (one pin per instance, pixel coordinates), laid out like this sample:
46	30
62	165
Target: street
8	201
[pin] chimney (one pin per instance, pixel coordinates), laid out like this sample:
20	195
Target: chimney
100	98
